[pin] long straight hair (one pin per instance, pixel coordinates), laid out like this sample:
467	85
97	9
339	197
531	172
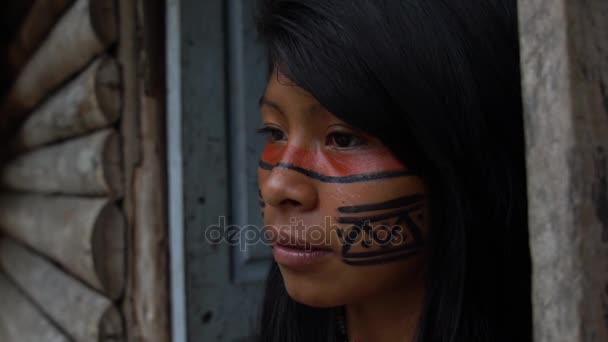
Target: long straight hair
438	82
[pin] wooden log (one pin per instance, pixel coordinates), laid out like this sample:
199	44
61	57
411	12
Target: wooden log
84	314
20	320
564	54
92	101
89	165
84	235
147	296
37	24
85	31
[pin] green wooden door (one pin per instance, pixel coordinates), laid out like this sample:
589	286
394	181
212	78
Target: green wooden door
216	73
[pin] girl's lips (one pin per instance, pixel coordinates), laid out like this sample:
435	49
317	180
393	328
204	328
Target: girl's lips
297	257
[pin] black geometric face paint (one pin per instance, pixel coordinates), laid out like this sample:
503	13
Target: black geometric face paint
385	236
375	233
261	202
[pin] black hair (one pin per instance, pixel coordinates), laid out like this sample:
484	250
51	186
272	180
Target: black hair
438	82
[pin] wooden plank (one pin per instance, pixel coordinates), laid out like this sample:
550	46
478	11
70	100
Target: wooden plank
128	50
86	30
81	312
564	52
146	303
20	320
89	165
90	102
86	236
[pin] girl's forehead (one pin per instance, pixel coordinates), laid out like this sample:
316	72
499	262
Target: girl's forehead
282	91
289	102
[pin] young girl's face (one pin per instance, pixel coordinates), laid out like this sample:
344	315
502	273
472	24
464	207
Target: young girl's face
346	218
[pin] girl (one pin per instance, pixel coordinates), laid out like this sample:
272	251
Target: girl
392	182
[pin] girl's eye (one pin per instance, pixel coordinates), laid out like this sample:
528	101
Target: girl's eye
272	134
343	140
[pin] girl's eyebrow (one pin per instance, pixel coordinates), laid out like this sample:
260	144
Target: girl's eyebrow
266	102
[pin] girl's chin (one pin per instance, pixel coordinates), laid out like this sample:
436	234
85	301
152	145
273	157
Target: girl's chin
315	301
313	296
318	288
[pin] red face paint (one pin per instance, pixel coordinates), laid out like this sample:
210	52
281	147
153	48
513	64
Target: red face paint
333	163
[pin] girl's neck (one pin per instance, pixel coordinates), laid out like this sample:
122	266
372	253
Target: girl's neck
389	317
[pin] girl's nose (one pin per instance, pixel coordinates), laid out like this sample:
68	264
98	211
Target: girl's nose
288	189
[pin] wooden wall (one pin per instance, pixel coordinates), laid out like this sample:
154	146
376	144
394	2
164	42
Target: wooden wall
82	193
564	52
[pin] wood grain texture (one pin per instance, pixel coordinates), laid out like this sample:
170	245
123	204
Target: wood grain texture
146	303
20	319
84	314
89	165
90	102
86	236
564	53
86	30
